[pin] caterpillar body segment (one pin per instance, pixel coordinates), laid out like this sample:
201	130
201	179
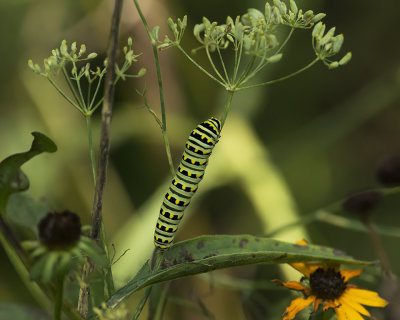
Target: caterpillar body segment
198	149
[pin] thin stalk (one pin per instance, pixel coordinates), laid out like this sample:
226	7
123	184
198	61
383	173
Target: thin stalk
91	147
223	66
227	106
378	246
238	60
77	80
281	79
141	304
59	296
88	93
245	72
70	86
21	270
286	40
65	96
95	95
199	66
214	67
160	87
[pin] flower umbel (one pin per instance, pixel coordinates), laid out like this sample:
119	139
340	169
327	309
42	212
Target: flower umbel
328	286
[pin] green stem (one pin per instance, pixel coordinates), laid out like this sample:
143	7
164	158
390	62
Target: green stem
59	296
223	66
91	147
77	80
70	86
227	106
214	67
200	67
281	79
141	304
286	40
160	87
65	96
20	268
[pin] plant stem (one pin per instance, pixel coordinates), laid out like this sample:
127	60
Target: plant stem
199	66
227	107
106	114
64	95
160	87
378	245
59	296
141	304
91	147
281	79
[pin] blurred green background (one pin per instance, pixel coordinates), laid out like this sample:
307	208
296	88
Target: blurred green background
286	150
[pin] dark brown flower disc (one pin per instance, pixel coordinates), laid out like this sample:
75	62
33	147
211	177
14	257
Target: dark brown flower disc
60	229
388	171
327	284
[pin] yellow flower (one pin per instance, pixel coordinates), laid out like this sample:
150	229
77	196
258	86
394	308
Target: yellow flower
328	287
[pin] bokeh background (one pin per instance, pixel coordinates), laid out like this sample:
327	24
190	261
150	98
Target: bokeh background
286	150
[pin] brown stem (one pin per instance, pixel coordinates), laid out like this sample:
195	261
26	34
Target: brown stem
379	248
106	115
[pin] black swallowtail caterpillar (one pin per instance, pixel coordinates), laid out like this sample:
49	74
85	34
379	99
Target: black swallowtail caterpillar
184	184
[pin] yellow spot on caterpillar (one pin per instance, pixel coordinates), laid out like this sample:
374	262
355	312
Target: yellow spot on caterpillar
163	212
156	238
159	225
208	140
171	215
202	137
175	183
197	176
195	150
189	174
166	228
169	197
184	157
183	187
201	163
176	201
180	170
193	162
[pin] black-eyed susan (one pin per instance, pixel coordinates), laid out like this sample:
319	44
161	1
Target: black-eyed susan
327	286
61	244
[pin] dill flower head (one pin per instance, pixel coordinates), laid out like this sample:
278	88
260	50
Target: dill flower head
327	286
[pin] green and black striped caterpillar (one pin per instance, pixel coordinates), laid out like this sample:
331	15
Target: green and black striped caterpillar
190	172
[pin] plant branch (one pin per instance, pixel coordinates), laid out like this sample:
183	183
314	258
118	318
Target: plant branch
160	87
283	78
106	114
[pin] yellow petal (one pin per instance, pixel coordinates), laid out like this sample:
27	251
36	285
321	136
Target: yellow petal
306	268
330	304
296	306
348	274
346	300
292	285
345	312
366	297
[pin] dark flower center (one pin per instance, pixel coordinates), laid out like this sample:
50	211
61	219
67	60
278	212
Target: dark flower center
60	229
327	284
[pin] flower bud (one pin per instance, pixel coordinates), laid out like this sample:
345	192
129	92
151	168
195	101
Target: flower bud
388	171
362	202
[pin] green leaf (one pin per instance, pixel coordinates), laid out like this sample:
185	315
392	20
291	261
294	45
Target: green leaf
208	253
12	179
25	211
15	311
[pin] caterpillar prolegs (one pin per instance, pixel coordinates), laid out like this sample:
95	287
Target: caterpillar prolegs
190	172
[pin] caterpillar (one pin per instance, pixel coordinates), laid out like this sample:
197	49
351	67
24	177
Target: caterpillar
184	184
